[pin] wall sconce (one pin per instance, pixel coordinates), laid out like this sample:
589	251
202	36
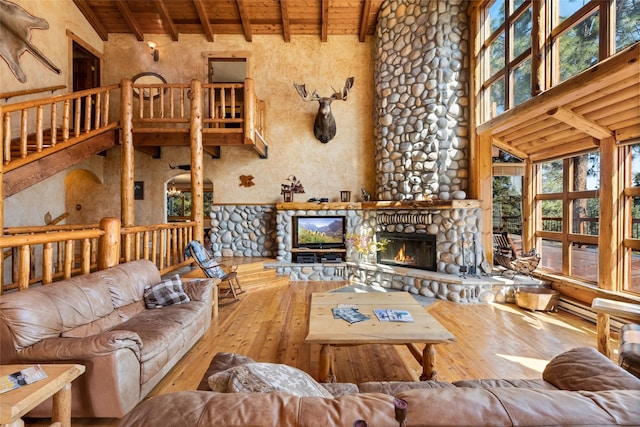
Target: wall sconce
154	51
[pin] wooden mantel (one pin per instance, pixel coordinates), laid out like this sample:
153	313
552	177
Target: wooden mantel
380	204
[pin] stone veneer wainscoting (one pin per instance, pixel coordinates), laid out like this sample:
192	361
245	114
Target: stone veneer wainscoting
243	230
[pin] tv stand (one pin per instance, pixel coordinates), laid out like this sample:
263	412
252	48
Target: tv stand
307	255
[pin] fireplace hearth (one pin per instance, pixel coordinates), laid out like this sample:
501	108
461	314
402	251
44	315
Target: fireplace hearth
409	250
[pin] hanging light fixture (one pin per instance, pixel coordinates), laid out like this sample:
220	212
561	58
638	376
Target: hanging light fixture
173	191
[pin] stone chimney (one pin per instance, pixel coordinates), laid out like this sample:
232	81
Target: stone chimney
422	100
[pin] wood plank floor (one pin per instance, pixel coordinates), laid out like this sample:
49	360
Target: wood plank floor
269	325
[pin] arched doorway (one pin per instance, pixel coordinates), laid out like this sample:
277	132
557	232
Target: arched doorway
178	198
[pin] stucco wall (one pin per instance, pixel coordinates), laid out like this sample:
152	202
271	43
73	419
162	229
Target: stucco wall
31	205
345	163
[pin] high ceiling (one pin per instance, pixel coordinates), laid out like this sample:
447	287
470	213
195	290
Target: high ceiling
288	18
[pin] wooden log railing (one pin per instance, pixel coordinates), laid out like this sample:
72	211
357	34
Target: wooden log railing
32	128
43	255
161	106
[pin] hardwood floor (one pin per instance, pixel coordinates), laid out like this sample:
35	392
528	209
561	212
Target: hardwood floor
269	325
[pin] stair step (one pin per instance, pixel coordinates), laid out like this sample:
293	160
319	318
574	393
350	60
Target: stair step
254	285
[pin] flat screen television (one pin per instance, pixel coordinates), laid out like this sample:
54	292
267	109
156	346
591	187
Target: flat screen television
319	232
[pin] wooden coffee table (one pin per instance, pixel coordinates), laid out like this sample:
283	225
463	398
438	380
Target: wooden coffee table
330	332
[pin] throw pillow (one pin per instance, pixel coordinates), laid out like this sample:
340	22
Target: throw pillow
265	378
165	293
584	368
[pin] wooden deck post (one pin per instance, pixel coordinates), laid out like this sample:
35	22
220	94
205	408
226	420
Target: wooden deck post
109	243
197	160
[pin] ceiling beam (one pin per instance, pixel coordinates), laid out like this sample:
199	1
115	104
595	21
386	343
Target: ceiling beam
166	19
324	20
569	149
364	20
509	149
244	19
580	122
286	28
130	19
92	18
204	19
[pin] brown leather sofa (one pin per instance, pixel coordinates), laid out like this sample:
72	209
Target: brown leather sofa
578	388
100	320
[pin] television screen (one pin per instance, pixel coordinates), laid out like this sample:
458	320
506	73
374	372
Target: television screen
319	231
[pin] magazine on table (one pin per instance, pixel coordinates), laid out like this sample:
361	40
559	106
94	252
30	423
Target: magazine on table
349	313
18	379
388	315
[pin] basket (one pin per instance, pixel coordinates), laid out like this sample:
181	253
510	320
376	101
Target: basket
540	299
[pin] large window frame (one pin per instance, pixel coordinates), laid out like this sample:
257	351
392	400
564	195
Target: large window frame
543	54
567	236
505	75
631	226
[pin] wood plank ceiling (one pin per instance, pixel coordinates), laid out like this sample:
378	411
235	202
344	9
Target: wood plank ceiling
246	17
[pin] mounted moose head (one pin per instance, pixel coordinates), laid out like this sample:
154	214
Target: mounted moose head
324	127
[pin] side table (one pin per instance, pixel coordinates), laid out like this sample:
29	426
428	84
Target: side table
16	403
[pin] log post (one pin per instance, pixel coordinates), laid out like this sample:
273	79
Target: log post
1	195
249	110
109	243
127	166
482	189
610	234
197	160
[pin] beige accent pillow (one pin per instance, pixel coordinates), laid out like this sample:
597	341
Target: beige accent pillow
265	378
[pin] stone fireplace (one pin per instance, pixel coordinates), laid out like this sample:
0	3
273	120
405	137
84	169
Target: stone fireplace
408	250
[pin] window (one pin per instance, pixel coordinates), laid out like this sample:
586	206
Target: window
567	205
631	242
627	23
577	34
506	51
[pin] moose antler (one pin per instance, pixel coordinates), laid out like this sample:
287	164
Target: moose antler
324	127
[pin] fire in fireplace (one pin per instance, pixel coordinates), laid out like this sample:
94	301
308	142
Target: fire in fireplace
409	250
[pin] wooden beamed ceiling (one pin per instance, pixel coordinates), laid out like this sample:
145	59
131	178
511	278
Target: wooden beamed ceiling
145	18
602	101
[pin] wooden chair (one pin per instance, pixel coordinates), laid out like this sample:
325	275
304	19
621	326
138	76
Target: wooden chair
227	273
505	255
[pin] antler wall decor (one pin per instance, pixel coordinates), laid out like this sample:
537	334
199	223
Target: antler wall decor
324	126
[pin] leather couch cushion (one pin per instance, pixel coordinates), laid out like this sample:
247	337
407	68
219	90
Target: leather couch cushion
395	387
48	311
427	407
94	328
584	368
126	282
265	378
490	383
